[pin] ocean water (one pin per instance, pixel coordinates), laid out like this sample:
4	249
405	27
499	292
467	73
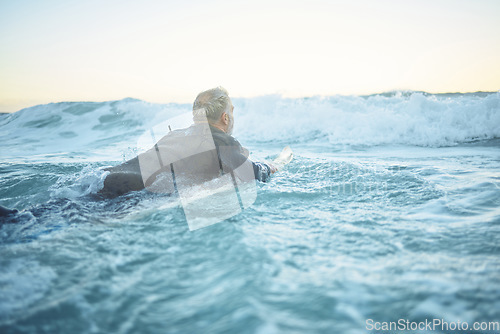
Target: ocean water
390	210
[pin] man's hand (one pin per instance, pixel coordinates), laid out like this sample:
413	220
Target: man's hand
272	167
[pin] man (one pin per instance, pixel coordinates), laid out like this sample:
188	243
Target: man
203	152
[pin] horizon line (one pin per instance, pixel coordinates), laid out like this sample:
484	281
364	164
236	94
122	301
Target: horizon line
283	95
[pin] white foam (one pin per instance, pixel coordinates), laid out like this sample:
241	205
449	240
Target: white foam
88	181
413	119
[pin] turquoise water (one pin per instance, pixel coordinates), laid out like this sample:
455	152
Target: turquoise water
390	210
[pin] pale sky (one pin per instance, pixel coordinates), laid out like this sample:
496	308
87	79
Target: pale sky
168	51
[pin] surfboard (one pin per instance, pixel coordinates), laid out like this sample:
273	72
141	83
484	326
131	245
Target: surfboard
283	158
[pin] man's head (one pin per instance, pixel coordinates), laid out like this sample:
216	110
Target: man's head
215	106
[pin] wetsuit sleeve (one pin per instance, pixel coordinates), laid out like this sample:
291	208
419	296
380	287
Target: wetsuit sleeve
233	156
262	171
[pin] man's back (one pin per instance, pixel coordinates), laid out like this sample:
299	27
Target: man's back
192	156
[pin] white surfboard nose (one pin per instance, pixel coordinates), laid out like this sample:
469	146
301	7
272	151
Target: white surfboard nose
283	158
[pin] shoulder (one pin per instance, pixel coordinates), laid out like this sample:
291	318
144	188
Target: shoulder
221	138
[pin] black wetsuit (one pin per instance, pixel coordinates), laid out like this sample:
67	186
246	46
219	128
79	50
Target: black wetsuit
194	155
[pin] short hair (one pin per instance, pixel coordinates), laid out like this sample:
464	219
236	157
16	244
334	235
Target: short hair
211	104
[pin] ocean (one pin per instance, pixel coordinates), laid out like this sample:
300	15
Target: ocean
389	213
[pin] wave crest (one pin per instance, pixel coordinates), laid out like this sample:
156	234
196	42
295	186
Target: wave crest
112	128
401	118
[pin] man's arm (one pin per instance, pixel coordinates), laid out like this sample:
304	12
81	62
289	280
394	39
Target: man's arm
262	171
232	157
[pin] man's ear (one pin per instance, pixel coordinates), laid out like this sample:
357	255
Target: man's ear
225	118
